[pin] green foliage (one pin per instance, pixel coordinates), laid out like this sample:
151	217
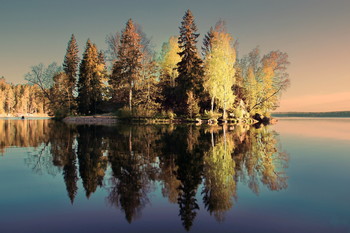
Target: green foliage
238	113
264	79
124	112
70	67
190	67
61	113
170	114
219	69
178	80
127	68
219	170
211	114
168	60
192	105
147	91
61	95
90	80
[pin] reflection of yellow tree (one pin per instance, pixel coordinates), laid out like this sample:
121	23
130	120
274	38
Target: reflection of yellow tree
258	158
219	169
273	161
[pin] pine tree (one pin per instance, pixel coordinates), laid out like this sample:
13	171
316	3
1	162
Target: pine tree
190	67
70	67
89	84
126	70
207	42
102	72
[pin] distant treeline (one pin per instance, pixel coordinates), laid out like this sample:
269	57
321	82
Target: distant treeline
20	99
312	114
179	80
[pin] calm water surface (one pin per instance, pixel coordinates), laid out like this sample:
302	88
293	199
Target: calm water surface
290	177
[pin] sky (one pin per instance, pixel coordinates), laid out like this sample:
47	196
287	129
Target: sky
314	33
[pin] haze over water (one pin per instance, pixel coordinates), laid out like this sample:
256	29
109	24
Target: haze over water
289	177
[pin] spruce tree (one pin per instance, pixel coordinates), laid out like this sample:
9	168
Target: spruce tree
190	68
70	67
89	84
127	68
207	42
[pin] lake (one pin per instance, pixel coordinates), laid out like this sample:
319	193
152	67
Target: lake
290	177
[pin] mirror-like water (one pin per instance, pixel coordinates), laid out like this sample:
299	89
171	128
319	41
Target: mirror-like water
291	177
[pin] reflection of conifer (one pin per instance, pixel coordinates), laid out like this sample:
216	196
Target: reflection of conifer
71	178
188	205
130	183
63	154
92	165
190	68
190	168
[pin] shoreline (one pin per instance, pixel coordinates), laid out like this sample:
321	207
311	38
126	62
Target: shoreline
100	119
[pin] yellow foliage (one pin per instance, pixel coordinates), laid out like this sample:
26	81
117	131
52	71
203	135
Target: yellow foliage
219	171
219	69
170	59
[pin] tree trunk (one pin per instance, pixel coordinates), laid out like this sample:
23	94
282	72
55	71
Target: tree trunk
212	104
130	99
224	114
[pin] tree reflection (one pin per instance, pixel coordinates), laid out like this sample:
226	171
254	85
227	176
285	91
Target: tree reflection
184	144
259	159
23	133
132	157
92	163
178	159
63	152
219	170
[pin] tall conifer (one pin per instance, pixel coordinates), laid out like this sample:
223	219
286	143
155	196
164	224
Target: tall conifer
70	67
190	68
89	84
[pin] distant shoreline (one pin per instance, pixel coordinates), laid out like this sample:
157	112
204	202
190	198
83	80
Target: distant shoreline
337	114
26	116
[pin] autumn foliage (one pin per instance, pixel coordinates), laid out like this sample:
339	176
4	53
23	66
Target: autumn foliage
180	80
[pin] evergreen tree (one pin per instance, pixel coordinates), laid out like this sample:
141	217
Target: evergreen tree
190	67
127	68
89	84
102	72
70	67
207	42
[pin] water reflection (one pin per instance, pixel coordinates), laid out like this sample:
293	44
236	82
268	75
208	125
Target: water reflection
189	164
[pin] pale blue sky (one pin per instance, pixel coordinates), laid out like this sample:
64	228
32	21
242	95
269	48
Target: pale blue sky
315	33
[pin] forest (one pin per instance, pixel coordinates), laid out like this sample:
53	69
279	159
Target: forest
130	79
